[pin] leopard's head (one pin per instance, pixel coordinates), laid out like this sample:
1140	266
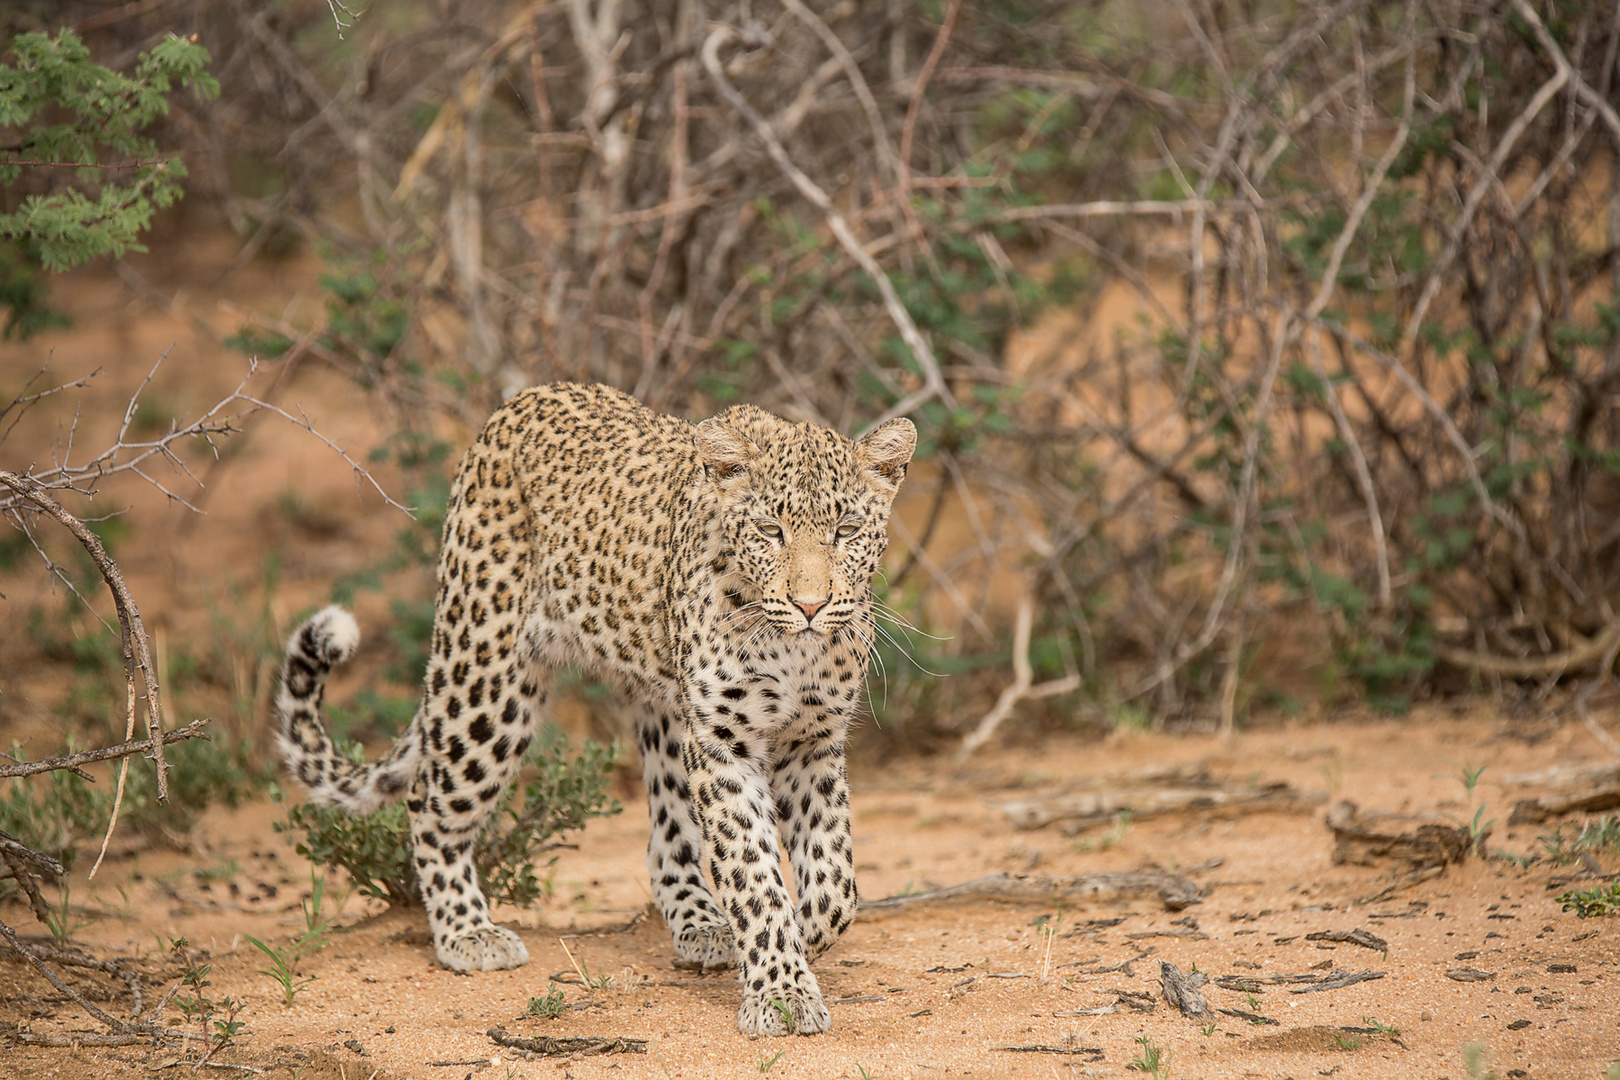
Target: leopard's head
805	510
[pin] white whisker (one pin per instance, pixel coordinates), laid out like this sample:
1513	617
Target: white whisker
904	651
880	608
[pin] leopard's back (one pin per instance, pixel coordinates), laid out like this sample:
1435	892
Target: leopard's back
587	498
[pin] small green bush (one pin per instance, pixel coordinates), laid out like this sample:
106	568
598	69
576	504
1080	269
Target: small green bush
561	794
1588	903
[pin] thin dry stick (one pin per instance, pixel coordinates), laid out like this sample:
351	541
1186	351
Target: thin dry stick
1330	277
193	730
44	969
857	82
666	239
1364	480
915	105
136	648
15	855
1476	194
1583	89
1022	688
934	383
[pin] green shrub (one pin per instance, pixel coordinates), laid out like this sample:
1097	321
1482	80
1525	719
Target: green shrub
561	794
1588	903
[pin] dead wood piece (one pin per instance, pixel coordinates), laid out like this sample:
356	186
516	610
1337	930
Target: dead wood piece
1123	966
1567	775
1592	800
567	1045
32	956
1090	1053
1092	927
1181	991
12	846
1251	984
79	1038
862	1000
1189	933
1243	1014
1134	1000
1175	891
1470	975
1405	881
1585	654
1338	980
1352	937
1364	839
1201	794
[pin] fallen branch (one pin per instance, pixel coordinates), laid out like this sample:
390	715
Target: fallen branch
568	1045
1243	1014
81	1038
39	965
1470	975
1251	984
1182	793
1123	967
1175	891
1351	937
1565	775
1580	658
1338	980
1090	1053
1129	999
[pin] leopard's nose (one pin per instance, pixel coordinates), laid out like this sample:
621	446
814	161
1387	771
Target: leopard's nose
810	607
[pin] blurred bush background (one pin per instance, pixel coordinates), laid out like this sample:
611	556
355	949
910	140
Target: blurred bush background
1265	357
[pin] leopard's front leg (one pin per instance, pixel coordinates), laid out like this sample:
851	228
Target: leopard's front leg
727	770
812	809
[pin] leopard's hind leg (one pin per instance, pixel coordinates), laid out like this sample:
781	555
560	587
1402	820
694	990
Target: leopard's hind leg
483	697
467	765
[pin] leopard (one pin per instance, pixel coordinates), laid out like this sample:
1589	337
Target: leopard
719	576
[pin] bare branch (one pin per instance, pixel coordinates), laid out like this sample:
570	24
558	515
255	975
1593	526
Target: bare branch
934	384
136	648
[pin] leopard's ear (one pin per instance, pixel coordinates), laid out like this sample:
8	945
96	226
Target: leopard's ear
724	451
886	450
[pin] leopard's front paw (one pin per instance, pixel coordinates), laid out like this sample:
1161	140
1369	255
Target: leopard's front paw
704	948
784	1010
482	948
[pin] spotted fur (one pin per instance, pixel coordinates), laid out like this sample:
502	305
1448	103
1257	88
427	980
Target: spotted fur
720	575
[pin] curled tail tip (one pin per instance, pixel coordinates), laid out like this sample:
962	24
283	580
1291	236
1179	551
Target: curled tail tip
332	634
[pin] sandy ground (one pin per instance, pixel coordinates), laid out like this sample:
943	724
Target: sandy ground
938	990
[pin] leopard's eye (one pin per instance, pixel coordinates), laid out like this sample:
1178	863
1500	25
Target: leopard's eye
848	529
770	529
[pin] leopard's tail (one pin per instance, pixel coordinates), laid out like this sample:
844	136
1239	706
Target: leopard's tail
329	638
